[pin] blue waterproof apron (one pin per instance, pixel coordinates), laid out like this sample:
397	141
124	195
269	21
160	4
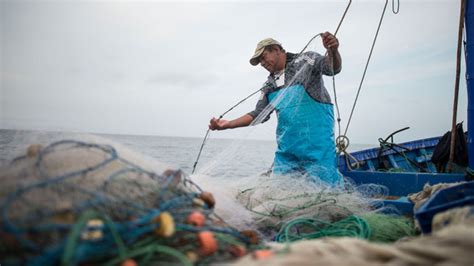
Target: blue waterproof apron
305	135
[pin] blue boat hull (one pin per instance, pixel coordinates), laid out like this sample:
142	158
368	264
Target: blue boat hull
413	169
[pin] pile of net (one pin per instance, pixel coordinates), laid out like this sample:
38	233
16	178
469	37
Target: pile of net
75	202
287	209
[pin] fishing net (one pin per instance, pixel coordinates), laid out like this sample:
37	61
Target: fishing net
375	227
389	228
75	202
281	201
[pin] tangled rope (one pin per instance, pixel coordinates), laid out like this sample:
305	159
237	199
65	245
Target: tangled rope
373	226
304	228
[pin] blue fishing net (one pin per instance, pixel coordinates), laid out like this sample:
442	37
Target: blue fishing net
75	202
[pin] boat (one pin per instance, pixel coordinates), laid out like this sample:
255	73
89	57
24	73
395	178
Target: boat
405	168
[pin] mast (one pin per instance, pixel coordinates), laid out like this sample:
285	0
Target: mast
469	15
456	86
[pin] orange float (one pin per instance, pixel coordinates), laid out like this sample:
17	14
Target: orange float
207	242
196	218
129	262
262	254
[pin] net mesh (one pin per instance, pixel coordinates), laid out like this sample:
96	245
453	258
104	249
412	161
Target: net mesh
76	202
277	200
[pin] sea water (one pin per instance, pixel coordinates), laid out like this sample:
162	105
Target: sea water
226	158
219	158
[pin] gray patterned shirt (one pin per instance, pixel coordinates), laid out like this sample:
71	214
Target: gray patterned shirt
306	70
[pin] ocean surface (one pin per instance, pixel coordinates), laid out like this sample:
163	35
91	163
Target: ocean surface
219	157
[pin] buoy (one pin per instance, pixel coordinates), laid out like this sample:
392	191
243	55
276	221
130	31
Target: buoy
167	227
208	198
251	235
207	242
93	230
196	218
197	202
262	254
237	250
129	262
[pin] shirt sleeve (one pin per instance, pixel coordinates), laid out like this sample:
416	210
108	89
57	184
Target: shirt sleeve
326	67
261	105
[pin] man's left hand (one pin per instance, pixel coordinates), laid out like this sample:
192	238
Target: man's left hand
330	41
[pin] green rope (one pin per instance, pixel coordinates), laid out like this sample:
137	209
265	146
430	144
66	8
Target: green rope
374	227
306	228
146	247
151	249
389	228
73	237
228	239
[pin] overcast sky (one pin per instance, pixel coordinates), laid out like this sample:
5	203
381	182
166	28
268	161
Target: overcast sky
165	68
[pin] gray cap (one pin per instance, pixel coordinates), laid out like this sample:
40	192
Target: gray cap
260	48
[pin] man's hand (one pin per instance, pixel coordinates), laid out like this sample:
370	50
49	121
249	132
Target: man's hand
330	41
218	124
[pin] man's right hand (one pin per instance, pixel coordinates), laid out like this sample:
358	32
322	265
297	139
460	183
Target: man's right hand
218	124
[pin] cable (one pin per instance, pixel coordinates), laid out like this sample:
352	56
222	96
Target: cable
341	148
367	65
221	116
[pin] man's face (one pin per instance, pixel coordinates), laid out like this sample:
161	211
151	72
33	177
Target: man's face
271	60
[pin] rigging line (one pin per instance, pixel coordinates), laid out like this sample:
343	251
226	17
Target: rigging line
237	104
208	130
337	29
333	78
200	150
337	106
393	7
366	66
343	16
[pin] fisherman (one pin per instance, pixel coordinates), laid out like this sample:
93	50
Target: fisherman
295	89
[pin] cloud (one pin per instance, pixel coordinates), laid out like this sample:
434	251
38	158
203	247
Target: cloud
177	79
